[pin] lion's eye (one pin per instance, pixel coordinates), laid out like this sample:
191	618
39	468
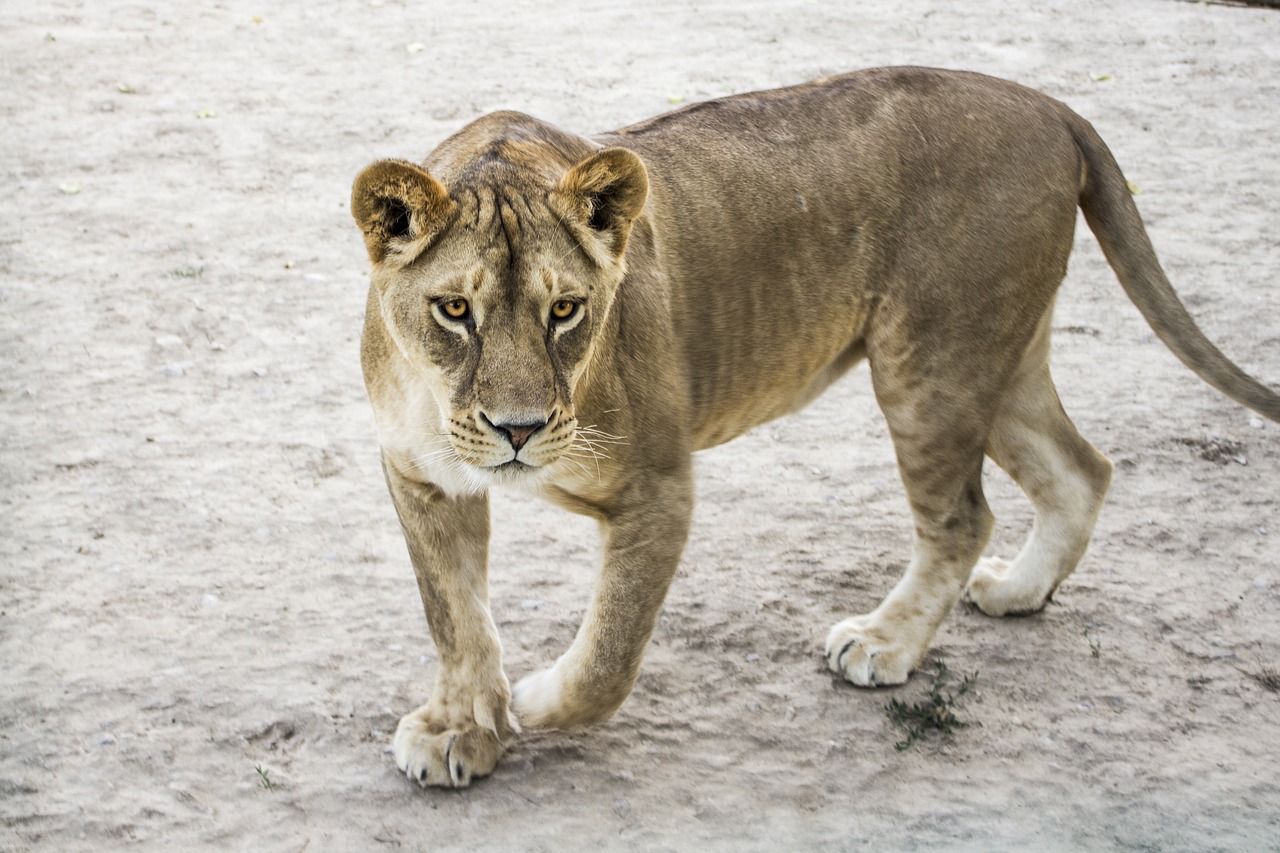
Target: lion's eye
455	309
564	309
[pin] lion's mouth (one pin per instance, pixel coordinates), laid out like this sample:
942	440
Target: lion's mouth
512	466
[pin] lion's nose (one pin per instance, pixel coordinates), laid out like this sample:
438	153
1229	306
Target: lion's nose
517	433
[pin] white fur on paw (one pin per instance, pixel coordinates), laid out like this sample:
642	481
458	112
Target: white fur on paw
998	592
538	699
864	656
433	754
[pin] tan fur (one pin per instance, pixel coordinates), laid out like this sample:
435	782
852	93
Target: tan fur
718	267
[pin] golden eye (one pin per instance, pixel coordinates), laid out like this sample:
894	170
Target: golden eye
564	309
456	309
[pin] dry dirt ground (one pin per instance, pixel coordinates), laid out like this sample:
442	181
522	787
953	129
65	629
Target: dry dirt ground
203	586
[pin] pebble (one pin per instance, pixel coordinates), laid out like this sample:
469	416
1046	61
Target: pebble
753	657
1260	582
532	604
168	341
210	601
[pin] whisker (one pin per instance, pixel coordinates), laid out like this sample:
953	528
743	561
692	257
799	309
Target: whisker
585	452
434	455
599	434
594	458
593	446
426	429
585	437
586	472
592	455
582	441
577	462
594	428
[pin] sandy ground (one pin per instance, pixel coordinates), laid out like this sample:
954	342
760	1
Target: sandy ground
201	573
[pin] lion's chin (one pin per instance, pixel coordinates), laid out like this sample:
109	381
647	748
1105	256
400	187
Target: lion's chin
513	472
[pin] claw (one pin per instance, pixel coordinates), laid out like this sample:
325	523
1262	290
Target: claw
454	768
844	651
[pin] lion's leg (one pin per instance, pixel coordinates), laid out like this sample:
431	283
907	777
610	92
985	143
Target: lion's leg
952	523
1066	479
644	535
940	361
461	731
938	429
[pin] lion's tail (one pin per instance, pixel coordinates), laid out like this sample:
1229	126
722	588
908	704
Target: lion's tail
1113	217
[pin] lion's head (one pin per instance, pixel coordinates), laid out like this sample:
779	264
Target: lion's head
494	268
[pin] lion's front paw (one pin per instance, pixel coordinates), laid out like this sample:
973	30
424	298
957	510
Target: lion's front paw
437	753
866	655
998	589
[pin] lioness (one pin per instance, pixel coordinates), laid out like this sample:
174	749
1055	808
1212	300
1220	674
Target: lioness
536	293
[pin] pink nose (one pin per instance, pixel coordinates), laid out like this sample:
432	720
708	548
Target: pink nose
518	434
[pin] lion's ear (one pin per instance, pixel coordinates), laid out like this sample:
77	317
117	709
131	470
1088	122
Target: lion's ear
604	194
400	208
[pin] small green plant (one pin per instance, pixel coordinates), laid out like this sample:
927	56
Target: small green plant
1198	682
935	713
187	272
264	778
1095	645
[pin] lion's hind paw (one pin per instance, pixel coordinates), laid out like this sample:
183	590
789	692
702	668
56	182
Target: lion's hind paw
1000	589
866	657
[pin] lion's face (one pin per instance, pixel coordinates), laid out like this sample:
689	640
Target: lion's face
494	291
500	316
